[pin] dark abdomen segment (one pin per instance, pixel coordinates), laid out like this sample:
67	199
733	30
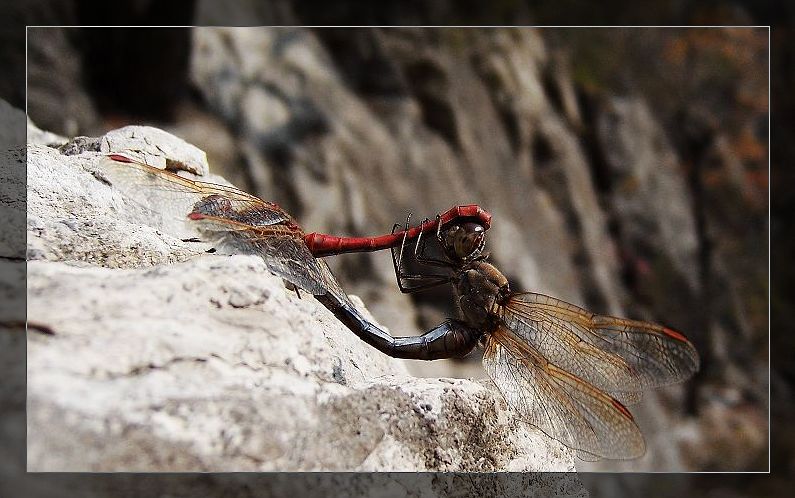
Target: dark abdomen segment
450	339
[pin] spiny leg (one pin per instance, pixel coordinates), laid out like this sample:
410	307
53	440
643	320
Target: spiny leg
419	250
429	281
397	262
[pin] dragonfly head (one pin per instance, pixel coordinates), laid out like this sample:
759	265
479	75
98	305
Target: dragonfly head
463	241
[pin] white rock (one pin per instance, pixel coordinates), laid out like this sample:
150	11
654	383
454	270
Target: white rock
146	354
155	147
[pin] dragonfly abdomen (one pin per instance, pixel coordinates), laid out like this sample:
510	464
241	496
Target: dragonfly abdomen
450	339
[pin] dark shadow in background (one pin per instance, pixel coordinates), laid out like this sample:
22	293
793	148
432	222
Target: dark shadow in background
140	87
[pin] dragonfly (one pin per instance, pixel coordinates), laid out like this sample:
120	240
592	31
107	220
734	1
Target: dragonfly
237	222
567	371
161	192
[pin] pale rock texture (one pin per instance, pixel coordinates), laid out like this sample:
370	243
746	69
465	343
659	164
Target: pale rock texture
145	353
630	181
155	147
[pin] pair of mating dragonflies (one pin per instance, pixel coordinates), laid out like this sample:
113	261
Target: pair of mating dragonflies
564	370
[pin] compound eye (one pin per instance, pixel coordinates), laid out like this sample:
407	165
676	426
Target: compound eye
449	237
464	241
472	240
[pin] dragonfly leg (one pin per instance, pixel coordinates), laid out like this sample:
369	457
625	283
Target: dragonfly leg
419	250
397	261
401	276
428	282
450	339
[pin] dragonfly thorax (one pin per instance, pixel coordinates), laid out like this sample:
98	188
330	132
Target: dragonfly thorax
480	288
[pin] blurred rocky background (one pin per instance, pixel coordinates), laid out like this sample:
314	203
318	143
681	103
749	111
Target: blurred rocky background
626	169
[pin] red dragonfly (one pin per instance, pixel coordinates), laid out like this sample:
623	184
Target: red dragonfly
161	192
565	370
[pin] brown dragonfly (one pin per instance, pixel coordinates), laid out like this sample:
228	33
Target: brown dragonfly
564	370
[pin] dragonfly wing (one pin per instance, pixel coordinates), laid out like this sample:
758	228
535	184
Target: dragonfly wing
291	260
164	199
282	247
238	222
560	404
616	355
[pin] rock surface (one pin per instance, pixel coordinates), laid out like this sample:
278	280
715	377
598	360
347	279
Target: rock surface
145	353
626	171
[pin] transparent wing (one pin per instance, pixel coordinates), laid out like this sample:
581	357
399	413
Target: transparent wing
237	222
622	357
165	199
560	404
282	247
